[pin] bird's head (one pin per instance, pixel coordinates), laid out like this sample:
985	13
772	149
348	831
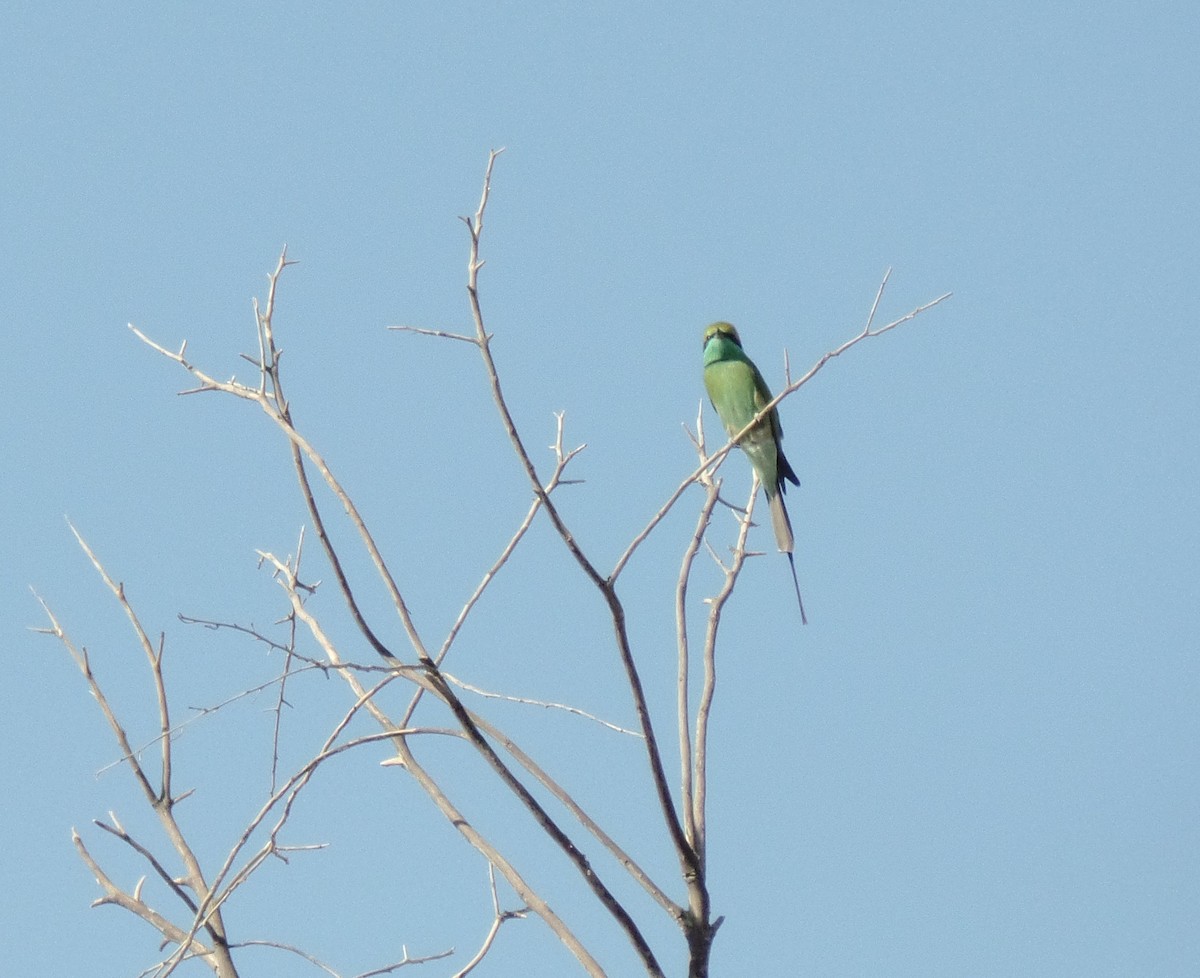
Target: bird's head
725	331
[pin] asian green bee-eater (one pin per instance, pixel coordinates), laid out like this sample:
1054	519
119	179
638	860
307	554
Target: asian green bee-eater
738	392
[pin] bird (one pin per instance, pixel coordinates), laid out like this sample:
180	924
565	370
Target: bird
738	392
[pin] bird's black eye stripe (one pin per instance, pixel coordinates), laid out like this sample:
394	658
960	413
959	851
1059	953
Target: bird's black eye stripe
723	334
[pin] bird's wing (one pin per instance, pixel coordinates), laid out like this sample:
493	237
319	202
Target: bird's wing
762	397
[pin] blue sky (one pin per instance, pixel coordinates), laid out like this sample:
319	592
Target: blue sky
980	756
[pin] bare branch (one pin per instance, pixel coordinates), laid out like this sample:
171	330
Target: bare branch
606	586
563	458
704	709
498	920
291	949
161	800
462	684
405	961
273	404
440	333
117	897
160	870
622	857
483	341
683	680
430	786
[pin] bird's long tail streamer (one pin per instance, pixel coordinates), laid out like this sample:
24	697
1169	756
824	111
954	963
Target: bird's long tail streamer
796	581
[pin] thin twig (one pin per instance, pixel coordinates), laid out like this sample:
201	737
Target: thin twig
441	333
563	458
462	684
318	963
499	918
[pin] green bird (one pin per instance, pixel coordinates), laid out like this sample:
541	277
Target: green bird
738	392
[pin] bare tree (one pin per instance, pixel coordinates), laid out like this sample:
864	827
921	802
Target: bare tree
411	682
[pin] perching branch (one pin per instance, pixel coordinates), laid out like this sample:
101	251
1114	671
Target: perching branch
714	460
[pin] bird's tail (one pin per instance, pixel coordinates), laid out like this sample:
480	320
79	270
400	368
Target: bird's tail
781	523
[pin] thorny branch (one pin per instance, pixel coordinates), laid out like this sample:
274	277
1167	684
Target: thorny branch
686	824
607	586
269	396
202	900
408	761
161	799
405	961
